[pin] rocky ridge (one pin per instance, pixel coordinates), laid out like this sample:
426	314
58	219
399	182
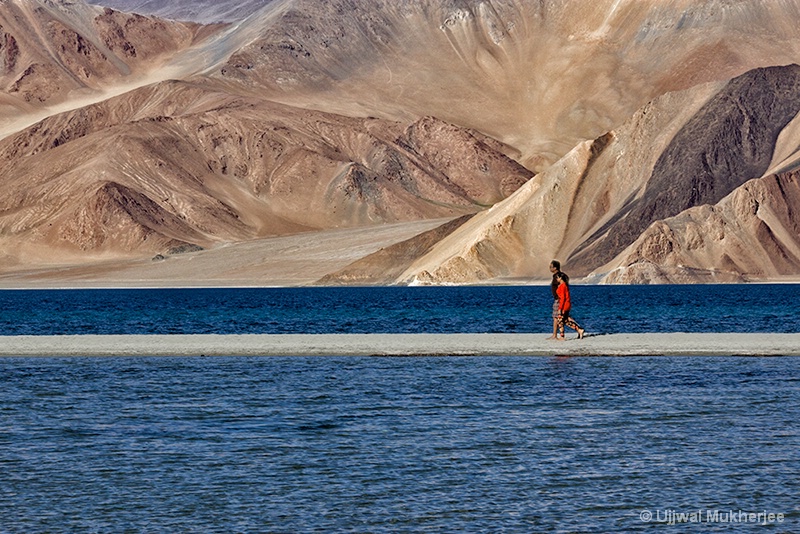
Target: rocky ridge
51	51
540	77
602	189
729	141
204	11
752	234
177	163
310	116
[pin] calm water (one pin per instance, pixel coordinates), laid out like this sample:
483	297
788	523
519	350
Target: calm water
449	444
351	444
601	309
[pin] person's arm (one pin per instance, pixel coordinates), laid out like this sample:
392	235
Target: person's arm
562	297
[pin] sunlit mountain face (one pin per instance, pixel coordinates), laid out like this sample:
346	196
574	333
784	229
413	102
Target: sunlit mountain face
199	11
590	129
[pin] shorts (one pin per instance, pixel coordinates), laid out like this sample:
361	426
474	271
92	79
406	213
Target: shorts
555	309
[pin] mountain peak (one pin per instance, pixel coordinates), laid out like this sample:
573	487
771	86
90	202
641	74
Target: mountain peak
562	129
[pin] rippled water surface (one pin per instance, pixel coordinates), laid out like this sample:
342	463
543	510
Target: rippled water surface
451	444
601	309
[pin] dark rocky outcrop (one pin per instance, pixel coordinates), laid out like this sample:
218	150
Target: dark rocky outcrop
730	141
117	217
752	233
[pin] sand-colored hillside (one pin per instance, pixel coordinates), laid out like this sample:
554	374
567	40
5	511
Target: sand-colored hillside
205	11
753	233
600	197
300	259
178	164
539	76
553	213
61	55
126	136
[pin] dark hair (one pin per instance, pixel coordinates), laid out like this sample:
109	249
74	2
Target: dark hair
556	264
562	276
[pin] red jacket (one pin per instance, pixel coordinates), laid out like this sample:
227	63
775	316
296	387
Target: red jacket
564	305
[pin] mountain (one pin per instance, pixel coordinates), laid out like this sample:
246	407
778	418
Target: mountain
55	52
730	140
204	11
567	129
754	232
604	208
540	77
174	165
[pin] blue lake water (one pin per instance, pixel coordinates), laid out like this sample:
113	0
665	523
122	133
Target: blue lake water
600	309
406	444
360	444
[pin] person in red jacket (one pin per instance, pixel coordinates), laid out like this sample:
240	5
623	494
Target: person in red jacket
555	269
564	307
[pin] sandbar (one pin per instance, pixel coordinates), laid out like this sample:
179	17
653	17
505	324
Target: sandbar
537	344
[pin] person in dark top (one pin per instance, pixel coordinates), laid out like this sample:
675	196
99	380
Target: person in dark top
564	307
555	268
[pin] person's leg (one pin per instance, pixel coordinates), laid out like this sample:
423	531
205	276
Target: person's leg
555	320
575	326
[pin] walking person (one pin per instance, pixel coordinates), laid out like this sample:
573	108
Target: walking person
564	307
555	268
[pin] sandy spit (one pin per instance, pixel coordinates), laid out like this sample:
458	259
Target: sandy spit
401	345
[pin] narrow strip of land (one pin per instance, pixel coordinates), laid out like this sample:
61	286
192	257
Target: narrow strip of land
678	344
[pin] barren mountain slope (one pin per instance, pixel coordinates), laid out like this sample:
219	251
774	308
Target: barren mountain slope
298	259
385	265
176	164
560	207
603	188
53	51
753	233
539	76
311	115
205	11
732	139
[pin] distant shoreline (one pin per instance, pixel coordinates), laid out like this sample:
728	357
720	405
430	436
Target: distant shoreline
660	344
238	284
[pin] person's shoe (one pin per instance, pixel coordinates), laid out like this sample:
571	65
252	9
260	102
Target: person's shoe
580	333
